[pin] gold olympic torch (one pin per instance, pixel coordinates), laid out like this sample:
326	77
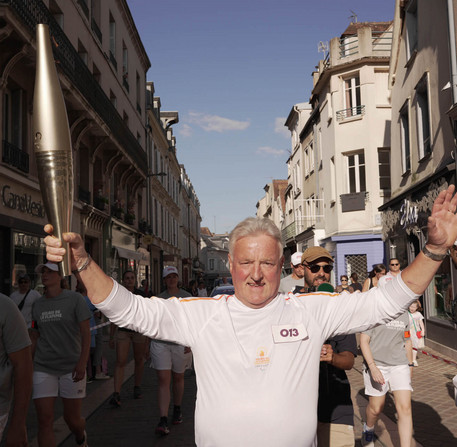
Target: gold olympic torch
52	143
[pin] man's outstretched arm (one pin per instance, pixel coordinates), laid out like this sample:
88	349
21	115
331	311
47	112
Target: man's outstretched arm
441	233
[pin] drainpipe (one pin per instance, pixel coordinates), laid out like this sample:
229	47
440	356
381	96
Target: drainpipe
452	49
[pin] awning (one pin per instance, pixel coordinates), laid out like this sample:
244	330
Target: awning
128	254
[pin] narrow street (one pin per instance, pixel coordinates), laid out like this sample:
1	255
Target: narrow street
434	411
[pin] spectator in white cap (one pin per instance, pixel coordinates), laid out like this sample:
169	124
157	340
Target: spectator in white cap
295	279
170	360
24	297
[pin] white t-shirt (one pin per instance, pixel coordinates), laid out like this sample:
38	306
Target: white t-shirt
257	369
26	310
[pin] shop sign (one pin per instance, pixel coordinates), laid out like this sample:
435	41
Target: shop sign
21	202
408	214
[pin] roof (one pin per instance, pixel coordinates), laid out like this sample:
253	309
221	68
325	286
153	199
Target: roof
205	231
375	26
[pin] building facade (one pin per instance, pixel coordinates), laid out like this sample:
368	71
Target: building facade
422	79
127	180
350	129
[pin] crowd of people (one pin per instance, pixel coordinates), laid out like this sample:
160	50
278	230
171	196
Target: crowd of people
262	351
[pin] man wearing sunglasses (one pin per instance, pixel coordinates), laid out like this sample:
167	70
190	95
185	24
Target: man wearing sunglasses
257	352
394	267
318	264
335	413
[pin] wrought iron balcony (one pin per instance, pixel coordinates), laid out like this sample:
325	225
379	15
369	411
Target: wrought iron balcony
32	12
349	113
15	157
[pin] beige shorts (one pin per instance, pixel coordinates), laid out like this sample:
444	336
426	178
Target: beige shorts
169	356
396	378
335	434
134	337
50	385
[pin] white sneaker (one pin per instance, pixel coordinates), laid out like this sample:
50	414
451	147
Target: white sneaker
102	376
415	363
368	437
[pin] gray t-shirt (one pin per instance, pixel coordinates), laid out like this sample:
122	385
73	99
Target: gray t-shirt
387	342
58	321
13	338
288	284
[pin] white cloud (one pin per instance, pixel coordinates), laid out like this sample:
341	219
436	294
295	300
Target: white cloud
280	128
185	130
270	151
214	123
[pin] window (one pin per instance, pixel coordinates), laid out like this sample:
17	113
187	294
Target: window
56	12
125	61
352	96
112	98
211	264
95	7
138	93
311	158
82	52
411	28
356	172
404	138
332	180
96	73
384	169
112	40
423	118
13	117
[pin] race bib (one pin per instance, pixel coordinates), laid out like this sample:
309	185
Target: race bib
287	333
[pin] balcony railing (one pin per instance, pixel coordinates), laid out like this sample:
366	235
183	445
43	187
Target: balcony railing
381	41
32	12
15	157
349	113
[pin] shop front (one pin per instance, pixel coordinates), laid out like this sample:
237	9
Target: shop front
404	234
22	218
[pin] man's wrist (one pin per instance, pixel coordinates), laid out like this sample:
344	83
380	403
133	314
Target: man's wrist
434	253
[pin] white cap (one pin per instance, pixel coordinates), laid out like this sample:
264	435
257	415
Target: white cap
168	270
50	265
296	258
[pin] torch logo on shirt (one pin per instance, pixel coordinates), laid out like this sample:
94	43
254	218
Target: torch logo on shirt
262	359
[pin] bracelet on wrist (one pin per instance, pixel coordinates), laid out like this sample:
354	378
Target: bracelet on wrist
431	255
84	266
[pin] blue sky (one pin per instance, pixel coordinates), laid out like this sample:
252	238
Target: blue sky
233	69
